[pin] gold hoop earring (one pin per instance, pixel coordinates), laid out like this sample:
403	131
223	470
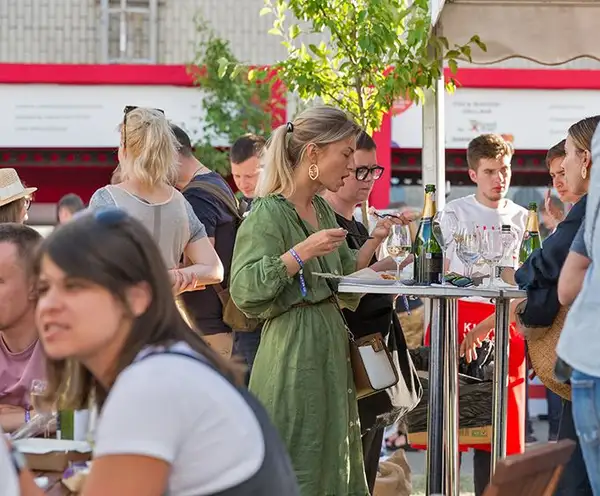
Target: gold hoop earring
584	172
313	171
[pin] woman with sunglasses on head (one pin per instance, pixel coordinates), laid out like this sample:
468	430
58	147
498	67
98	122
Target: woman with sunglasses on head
147	169
168	403
302	370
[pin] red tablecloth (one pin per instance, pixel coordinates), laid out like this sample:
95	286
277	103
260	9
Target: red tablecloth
470	313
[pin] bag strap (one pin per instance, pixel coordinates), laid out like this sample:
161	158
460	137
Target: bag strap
226	197
323	267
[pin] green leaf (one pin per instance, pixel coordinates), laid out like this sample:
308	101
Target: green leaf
294	31
223	66
265	11
275	31
453	66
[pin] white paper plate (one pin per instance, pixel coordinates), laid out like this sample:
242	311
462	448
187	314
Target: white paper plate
37	446
368	282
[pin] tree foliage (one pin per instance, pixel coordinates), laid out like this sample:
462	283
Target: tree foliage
236	98
375	52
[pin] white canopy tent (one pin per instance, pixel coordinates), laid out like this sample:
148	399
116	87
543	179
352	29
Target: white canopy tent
547	32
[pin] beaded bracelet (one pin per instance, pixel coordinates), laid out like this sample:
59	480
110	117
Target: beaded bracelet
27	415
300	272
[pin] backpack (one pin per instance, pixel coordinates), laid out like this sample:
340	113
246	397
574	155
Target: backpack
232	315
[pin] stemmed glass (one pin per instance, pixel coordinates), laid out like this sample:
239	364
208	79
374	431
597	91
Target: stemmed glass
39	403
444	227
492	251
398	245
468	248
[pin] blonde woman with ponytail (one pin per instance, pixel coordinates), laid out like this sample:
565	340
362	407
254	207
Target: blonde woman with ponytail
147	169
302	370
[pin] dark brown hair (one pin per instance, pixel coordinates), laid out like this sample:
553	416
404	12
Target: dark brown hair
13	211
248	146
25	239
115	251
557	151
487	146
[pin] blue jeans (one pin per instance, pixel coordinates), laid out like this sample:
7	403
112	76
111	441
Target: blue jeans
586	413
245	346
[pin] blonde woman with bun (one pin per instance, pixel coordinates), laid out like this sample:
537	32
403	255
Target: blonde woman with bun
147	161
302	370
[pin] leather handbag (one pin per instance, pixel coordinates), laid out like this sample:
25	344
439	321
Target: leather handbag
372	364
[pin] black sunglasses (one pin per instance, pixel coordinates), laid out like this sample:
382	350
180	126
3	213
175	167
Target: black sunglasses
126	110
362	172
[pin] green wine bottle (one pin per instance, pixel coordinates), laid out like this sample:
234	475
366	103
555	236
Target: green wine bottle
66	428
428	263
531	238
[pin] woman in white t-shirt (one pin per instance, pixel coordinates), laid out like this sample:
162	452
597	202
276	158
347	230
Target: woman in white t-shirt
168	404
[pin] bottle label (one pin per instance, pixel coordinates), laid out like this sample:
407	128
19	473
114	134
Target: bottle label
428	268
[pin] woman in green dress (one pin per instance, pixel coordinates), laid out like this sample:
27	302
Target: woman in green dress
302	370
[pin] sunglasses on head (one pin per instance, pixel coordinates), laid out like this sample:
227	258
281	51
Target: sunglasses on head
127	110
362	172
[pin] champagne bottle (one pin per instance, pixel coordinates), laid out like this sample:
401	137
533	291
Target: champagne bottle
531	238
427	252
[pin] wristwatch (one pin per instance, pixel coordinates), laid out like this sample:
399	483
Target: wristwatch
18	459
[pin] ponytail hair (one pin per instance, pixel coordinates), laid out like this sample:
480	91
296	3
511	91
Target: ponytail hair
285	150
150	148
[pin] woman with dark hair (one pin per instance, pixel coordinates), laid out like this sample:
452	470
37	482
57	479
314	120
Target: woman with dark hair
114	337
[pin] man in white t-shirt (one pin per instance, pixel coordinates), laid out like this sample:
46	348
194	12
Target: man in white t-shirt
488	159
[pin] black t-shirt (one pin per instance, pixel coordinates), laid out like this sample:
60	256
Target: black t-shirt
374	313
204	306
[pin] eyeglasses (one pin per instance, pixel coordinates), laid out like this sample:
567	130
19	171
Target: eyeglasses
27	203
362	172
127	110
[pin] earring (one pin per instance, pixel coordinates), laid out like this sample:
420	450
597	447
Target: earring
313	172
584	172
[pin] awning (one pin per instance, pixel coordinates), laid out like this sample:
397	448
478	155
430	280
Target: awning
549	32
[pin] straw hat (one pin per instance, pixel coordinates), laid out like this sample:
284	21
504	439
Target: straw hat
11	187
541	346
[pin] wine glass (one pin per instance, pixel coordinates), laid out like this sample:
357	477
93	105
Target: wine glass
398	245
444	227
38	401
492	251
468	248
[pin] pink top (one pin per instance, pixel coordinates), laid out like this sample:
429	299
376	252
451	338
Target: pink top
17	371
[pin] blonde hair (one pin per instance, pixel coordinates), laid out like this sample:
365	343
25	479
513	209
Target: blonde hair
150	148
582	133
320	125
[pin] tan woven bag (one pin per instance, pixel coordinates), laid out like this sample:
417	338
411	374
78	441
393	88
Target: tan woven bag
541	346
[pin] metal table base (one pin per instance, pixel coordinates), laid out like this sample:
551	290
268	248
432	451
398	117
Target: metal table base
443	422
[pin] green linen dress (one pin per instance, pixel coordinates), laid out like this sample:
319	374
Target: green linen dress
302	372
